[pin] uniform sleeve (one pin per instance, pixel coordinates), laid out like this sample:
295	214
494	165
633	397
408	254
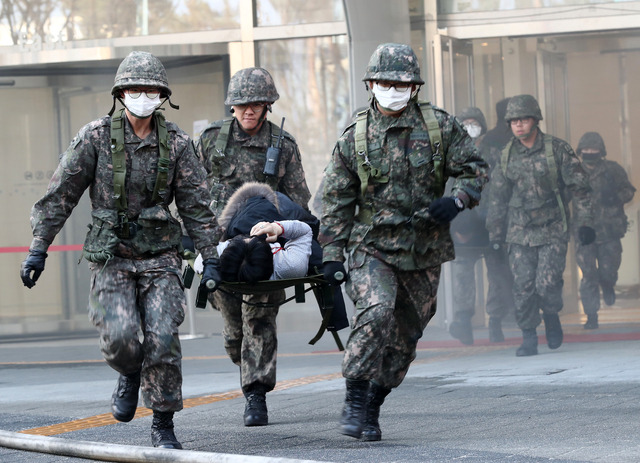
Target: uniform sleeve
577	182
192	200
294	183
293	260
74	174
339	199
620	184
464	163
498	207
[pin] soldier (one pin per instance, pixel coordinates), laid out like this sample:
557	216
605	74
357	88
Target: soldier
133	243
234	152
601	260
529	213
471	240
383	203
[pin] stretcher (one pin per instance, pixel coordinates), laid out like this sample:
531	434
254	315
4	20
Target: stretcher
329	298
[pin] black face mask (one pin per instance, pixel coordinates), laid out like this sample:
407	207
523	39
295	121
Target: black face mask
591	157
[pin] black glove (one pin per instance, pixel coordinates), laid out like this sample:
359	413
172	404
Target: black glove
33	263
586	235
444	210
334	272
210	274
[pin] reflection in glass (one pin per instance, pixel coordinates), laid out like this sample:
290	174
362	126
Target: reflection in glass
312	78
285	12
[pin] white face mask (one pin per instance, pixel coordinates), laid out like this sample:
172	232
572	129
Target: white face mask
391	99
143	106
473	130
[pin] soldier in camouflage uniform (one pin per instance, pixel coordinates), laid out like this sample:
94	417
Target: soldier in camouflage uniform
134	165
383	204
471	240
529	213
234	153
600	261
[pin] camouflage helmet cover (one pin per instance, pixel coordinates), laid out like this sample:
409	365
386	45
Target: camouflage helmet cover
591	140
251	85
395	62
474	113
521	106
140	68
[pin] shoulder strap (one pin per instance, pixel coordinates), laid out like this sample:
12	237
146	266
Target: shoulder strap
553	173
435	138
119	162
223	136
504	158
160	187
364	166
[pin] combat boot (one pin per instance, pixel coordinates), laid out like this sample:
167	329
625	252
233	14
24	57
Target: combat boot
355	403
375	398
495	330
162	434
592	322
608	294
124	400
462	330
553	330
529	343
255	410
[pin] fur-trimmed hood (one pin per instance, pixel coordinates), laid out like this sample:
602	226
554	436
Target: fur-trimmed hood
240	197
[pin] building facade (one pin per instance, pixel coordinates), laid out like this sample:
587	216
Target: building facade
57	68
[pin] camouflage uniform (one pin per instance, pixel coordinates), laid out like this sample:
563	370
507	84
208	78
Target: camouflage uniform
601	260
524	213
134	292
471	241
250	330
394	261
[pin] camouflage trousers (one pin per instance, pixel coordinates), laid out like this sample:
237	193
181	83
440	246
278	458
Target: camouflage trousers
499	280
250	334
599	263
393	308
537	281
137	306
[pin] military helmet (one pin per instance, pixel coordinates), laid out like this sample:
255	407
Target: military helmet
395	62
140	68
251	85
521	106
474	113
591	140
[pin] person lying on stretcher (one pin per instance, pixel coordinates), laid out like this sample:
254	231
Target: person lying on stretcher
260	255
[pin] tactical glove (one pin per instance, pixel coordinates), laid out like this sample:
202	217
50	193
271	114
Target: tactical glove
586	235
334	272
187	243
210	275
444	210
33	263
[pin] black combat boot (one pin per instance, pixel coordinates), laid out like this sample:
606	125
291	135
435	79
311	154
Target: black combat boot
529	343
355	403
608	294
592	322
553	330
124	400
495	330
461	329
375	398
255	410
162	431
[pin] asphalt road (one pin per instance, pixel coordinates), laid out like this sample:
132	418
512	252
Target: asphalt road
580	403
